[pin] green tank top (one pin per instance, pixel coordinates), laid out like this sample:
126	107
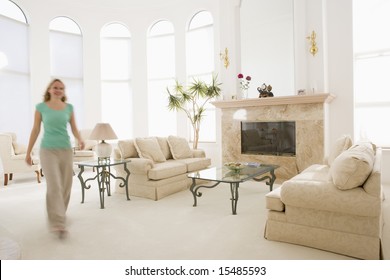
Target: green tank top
55	125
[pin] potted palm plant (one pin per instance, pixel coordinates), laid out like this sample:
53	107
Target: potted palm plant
192	100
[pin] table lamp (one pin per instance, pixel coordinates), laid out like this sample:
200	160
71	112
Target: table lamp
103	131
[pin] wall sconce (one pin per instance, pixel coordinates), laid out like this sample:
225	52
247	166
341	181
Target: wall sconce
225	58
312	38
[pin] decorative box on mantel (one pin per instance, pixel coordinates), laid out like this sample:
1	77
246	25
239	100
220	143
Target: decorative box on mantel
307	112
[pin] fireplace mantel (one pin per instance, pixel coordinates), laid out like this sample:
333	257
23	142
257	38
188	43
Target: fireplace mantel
277	100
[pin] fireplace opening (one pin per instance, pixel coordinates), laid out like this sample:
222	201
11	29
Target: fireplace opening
268	138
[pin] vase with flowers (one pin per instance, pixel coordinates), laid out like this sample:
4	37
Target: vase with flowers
244	84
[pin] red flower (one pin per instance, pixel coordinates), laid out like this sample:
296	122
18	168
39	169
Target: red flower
244	82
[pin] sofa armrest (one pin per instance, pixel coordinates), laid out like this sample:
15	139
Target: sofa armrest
140	165
198	153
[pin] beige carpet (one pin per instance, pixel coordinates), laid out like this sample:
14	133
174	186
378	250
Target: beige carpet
142	229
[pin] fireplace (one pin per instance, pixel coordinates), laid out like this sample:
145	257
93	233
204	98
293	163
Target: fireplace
268	138
308	113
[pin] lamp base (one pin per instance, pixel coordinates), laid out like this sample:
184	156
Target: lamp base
104	150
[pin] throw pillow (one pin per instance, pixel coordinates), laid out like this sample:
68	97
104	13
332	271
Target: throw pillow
353	166
163	142
149	148
342	144
179	146
127	149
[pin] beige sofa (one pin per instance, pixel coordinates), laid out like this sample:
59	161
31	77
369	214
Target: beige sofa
335	206
159	165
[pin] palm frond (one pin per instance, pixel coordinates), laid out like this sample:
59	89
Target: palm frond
178	88
174	102
214	89
199	115
197	88
186	96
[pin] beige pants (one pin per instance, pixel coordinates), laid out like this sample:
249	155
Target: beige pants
57	167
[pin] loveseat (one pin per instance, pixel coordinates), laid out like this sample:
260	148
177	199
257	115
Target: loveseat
335	206
159	165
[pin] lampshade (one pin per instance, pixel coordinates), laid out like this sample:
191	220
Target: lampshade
103	131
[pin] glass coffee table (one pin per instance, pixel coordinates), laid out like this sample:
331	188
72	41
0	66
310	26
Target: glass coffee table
254	171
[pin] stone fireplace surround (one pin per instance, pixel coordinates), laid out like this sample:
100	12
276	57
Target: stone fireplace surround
308	112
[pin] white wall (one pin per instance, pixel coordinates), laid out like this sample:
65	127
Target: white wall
331	69
267	45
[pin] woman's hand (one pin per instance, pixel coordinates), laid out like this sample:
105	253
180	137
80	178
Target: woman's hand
81	144
28	159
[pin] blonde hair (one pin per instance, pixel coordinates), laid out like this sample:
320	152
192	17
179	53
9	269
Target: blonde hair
46	96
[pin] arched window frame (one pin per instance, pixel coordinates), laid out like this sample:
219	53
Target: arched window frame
161	74
15	92
66	61
116	78
200	65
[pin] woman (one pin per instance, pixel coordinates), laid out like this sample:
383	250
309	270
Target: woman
56	155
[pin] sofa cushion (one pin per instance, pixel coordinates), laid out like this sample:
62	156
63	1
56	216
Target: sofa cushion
149	148
166	169
315	172
342	144
194	164
353	166
325	196
163	142
179	146
127	148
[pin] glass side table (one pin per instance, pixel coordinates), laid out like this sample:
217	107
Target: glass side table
102	168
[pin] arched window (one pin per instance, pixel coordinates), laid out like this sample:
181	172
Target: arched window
12	11
115	40
200	65
371	69
161	74
66	61
15	106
